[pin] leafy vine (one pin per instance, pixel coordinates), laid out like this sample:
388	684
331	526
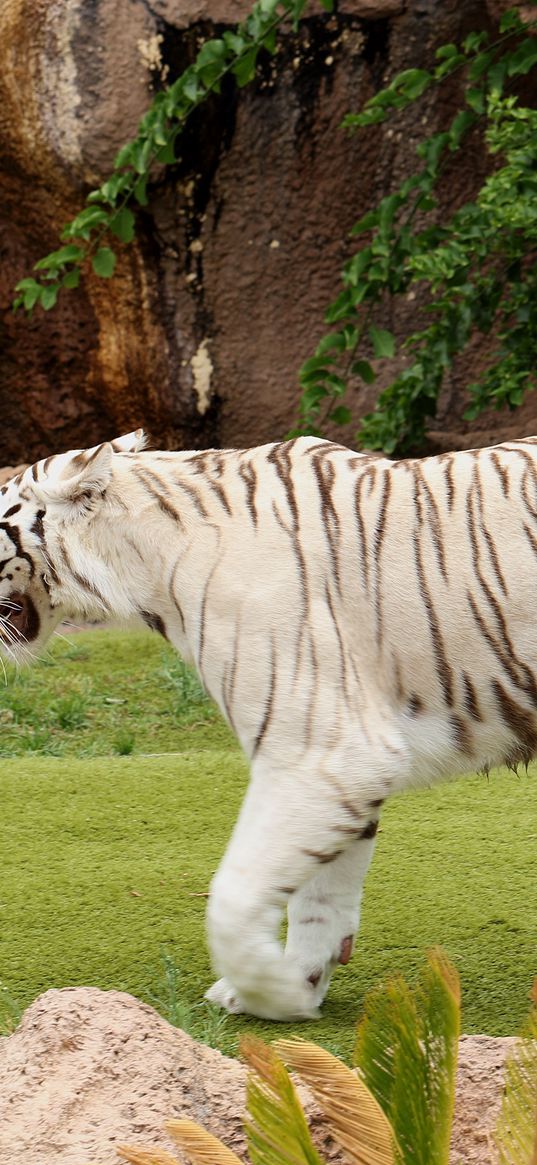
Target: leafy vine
477	266
109	210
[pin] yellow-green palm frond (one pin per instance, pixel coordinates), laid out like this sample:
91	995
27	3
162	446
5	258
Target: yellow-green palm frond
516	1132
199	1145
354	1117
136	1156
276	1127
406	1052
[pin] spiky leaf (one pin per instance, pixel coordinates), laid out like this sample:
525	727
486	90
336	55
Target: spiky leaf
136	1156
407	1054
354	1117
199	1145
277	1131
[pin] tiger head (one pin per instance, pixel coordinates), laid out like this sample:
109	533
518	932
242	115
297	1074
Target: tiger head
43	501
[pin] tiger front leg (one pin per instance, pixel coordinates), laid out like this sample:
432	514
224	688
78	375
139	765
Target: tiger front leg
324	914
280	842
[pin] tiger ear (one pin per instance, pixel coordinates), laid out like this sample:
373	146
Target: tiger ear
82	478
130	443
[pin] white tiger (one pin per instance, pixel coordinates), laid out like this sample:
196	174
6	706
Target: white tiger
363	625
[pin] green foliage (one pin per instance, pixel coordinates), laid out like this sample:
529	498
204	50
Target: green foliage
276	1128
203	1021
478	269
110	207
10	1012
186	686
104	694
407	1053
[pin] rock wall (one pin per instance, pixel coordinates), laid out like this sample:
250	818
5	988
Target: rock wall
212	310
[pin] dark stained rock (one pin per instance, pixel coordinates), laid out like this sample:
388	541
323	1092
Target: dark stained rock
222	295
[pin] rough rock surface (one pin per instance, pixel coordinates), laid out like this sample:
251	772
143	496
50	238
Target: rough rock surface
88	1070
221	297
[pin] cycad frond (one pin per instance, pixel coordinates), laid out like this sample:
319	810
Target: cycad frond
199	1145
277	1131
407	1054
516	1132
136	1156
355	1118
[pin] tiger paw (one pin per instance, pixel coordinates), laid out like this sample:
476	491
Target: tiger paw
223	994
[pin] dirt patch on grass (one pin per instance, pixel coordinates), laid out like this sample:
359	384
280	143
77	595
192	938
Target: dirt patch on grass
88	1070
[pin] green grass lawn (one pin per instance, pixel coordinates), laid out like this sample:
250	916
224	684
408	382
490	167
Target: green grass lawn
105	859
99	693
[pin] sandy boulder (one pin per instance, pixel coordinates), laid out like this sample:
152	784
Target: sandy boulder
89	1069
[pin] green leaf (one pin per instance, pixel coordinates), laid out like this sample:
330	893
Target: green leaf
85	222
49	295
234	42
245	68
510	20
448	66
140	190
115	185
459	126
103	262
474	41
475	98
413	82
363	369
31	293
71	278
333	342
312	395
387	210
141	153
496	76
446	51
366	223
314	364
269	41
122	225
481	64
192	86
124	157
355	268
212	51
336	383
166	154
383	342
26	284
340	415
524	58
340	308
68	254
